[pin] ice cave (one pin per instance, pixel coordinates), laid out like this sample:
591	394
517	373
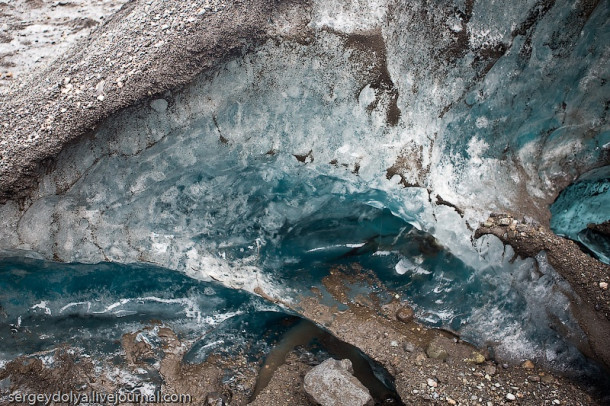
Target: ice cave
371	146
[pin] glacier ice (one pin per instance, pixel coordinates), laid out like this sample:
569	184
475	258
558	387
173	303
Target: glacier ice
45	304
585	202
303	155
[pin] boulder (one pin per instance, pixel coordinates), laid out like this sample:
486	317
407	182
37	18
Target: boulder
332	384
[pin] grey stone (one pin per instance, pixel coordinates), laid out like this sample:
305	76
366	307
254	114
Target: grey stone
332	384
436	351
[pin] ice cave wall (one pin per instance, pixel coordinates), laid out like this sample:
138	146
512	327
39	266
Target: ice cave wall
488	106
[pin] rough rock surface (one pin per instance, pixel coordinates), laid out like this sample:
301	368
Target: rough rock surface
34	32
146	48
332	384
583	272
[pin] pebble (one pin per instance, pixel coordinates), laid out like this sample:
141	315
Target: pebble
477	358
556	402
603	285
490	370
432	383
405	314
528	364
504	221
451	401
511	397
409	347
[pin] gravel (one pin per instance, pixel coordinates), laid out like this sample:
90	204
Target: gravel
143	50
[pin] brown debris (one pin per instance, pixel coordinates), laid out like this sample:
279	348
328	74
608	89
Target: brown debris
583	272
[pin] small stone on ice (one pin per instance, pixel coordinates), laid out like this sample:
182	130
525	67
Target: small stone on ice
510	396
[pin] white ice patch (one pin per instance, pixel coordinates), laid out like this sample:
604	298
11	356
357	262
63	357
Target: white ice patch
331	247
405	265
74	304
476	147
43	305
349	16
481	122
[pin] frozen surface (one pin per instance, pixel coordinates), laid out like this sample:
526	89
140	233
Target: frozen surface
45	304
586	201
304	155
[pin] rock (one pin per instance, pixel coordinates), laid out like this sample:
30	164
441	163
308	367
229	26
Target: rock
510	397
214	399
419	360
159	105
491	370
436	351
487	224
603	285
527	364
533	378
450	401
505	221
332	384
432	383
405	314
477	358
547	379
409	347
